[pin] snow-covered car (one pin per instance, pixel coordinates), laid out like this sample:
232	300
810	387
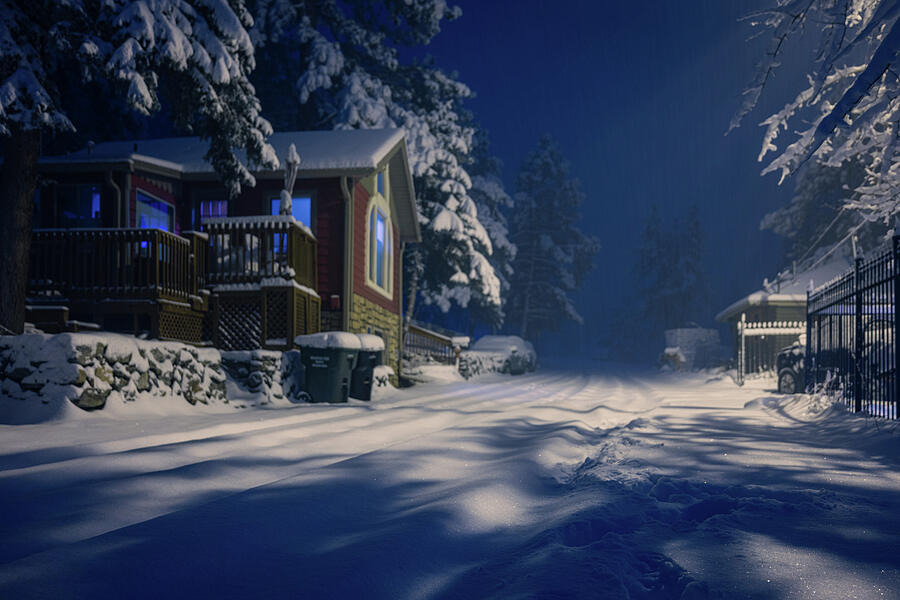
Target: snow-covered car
499	353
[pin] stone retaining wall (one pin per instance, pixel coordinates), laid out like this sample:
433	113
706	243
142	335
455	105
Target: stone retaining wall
93	369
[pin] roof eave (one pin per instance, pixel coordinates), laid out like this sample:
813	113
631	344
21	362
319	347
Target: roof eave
408	230
765	299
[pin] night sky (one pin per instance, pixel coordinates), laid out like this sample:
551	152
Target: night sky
639	95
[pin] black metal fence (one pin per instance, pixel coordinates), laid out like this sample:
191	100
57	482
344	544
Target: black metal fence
852	336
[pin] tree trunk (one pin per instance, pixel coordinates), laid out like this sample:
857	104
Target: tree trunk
18	179
527	300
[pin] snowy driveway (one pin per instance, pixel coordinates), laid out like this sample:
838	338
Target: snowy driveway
548	485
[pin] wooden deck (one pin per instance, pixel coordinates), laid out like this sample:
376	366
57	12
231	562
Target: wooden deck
185	287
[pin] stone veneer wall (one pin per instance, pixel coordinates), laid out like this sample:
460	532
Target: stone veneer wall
366	317
330	320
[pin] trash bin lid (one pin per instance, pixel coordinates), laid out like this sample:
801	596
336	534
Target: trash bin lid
370	343
329	339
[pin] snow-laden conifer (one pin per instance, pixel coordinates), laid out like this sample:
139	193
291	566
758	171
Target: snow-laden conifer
493	204
55	54
199	49
849	108
553	256
345	72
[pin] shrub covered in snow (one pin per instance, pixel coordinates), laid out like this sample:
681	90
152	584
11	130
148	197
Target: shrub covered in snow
498	354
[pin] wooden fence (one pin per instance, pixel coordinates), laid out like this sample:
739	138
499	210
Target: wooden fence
440	346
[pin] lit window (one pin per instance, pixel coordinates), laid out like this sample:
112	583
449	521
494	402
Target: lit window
379	247
210	209
301	209
154	214
379	183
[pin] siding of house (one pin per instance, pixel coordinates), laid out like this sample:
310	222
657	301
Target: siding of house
329	218
372	312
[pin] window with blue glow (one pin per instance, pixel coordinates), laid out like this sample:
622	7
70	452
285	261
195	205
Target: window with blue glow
301	209
154	214
379	248
379	271
213	208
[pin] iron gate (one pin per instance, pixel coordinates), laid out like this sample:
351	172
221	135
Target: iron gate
852	336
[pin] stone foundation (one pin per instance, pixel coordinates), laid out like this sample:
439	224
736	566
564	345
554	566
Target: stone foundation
368	317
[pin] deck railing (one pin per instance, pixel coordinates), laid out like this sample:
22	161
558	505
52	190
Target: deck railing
112	263
441	346
247	250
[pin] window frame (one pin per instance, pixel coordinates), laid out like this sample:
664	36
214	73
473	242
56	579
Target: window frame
379	206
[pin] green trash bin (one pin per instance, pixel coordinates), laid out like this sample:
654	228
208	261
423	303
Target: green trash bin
370	356
329	359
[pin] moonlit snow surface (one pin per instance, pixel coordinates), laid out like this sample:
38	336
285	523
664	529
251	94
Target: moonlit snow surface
559	485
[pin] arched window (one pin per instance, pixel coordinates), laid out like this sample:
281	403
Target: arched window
379	242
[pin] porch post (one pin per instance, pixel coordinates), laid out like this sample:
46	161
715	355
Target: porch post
808	360
858	342
741	349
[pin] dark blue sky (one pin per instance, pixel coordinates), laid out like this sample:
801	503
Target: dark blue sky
639	95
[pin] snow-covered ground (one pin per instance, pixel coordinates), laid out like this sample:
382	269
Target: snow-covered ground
549	485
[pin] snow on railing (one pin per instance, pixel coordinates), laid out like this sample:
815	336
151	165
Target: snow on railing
250	249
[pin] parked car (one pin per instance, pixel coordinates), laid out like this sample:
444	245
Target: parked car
790	366
499	353
833	367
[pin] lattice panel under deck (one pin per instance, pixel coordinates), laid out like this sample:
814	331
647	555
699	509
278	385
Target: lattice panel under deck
276	314
181	326
314	309
300	313
240	324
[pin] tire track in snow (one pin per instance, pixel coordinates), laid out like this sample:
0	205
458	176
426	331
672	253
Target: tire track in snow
56	517
222	435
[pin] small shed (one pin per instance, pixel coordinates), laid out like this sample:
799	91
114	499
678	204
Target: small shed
780	301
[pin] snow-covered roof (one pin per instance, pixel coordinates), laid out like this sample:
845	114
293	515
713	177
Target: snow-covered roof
791	291
361	150
332	153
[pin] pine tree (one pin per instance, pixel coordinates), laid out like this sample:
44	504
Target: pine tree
492	203
817	218
198	51
848	106
348	74
553	257
671	288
